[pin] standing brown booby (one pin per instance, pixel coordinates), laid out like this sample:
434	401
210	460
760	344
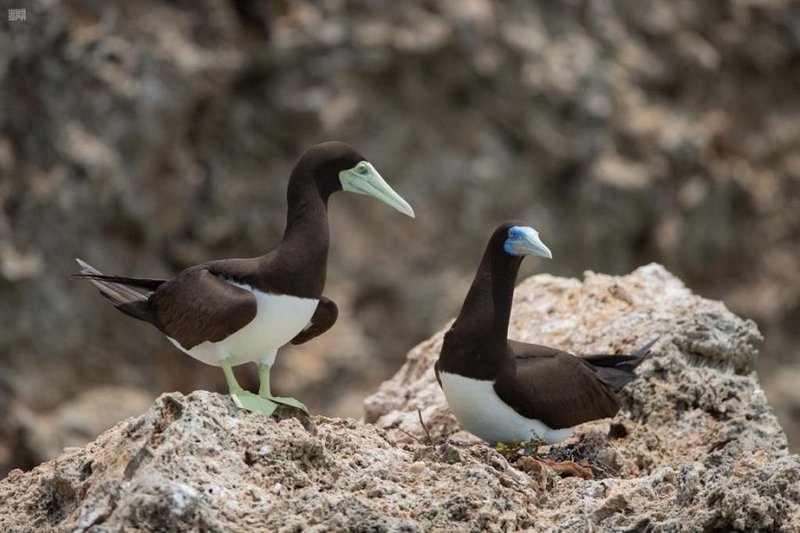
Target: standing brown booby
234	311
507	391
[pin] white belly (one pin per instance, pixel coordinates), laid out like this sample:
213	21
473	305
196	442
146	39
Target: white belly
480	411
278	319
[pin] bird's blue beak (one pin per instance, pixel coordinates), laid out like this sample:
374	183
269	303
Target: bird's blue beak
523	240
364	179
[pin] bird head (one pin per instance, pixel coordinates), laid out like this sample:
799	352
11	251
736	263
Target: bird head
523	240
337	166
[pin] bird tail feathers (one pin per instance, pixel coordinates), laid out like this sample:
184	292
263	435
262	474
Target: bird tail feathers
91	273
116	290
619	370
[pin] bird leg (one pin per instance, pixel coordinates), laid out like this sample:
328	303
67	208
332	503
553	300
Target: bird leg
263	380
264	389
245	399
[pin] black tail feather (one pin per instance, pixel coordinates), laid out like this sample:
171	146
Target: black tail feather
619	370
89	272
115	290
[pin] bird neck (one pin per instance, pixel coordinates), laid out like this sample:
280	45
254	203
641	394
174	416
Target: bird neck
307	223
487	308
306	238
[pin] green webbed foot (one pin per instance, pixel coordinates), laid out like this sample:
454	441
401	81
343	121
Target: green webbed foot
291	402
253	402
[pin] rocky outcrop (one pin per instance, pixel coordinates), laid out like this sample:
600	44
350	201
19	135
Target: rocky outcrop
147	136
695	448
40	437
701	345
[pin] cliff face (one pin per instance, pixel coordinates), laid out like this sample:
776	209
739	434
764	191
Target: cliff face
695	448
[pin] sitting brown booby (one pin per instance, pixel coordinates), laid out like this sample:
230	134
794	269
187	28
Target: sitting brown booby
234	311
507	391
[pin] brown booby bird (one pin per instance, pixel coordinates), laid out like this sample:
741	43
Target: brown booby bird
507	391
234	311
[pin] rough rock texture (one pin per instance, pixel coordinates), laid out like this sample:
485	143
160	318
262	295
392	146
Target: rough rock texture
42	436
696	447
146	135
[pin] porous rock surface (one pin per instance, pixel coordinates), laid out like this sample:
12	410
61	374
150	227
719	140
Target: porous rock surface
146	136
695	448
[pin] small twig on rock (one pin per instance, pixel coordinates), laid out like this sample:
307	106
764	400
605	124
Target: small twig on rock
422	423
416	439
404	432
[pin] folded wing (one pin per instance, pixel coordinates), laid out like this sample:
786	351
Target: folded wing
555	387
322	320
198	306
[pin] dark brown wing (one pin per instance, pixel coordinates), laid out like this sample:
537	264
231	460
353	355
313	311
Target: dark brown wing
321	321
523	350
554	387
617	370
197	306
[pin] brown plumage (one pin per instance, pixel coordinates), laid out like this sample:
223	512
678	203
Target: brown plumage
199	304
539	383
235	311
563	390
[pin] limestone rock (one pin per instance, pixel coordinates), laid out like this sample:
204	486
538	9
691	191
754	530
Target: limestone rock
197	463
78	421
146	136
695	447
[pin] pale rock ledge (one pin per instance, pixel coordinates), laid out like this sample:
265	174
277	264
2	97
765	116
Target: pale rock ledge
695	448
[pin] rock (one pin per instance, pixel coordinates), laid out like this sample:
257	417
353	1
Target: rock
78	421
147	136
784	397
695	447
196	462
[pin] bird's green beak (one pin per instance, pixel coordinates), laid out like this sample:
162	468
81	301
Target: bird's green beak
364	179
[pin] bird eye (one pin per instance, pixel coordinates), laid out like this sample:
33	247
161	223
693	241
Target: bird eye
361	168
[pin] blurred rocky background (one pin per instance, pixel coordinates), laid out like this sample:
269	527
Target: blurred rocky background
148	136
